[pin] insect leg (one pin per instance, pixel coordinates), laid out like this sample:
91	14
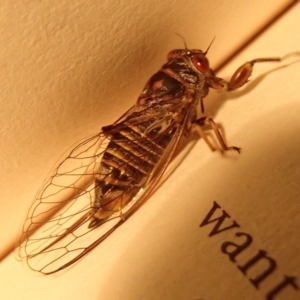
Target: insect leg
197	124
242	74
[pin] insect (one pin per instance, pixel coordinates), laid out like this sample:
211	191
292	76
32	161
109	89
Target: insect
107	177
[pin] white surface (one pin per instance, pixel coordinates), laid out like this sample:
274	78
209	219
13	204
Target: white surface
63	64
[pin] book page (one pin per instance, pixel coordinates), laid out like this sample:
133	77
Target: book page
219	226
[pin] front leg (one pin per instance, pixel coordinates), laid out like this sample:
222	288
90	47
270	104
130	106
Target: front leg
242	74
196	126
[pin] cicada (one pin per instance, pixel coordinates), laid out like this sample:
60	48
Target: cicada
107	177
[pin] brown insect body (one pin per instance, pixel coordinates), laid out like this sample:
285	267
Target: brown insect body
107	177
134	150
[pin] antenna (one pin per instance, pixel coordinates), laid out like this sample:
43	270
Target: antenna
209	45
183	40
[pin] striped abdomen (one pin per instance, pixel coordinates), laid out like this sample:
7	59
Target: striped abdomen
126	164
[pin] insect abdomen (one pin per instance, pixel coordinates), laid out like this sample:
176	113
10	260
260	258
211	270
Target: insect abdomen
126	164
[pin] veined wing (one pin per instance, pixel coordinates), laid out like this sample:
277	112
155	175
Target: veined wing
57	232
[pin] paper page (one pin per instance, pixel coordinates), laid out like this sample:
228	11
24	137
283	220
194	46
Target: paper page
219	226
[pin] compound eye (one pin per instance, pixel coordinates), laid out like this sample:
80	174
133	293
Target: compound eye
200	62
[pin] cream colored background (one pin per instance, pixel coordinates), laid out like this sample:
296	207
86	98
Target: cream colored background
69	68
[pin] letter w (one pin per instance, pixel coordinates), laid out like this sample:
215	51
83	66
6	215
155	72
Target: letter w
219	220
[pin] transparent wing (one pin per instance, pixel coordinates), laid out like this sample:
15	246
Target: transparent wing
56	232
63	201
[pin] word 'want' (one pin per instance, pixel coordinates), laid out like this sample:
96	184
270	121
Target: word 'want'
255	264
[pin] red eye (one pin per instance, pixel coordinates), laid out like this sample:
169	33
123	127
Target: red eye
200	62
